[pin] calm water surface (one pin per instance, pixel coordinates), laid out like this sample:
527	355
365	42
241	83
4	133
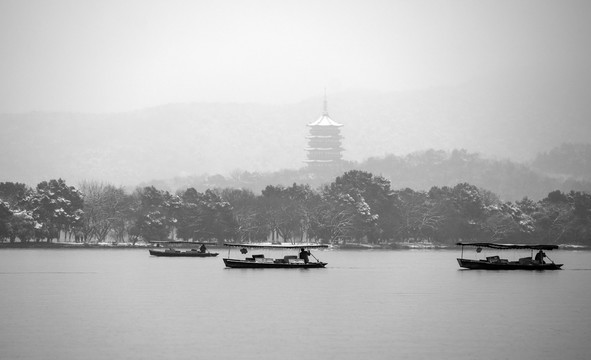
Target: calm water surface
413	304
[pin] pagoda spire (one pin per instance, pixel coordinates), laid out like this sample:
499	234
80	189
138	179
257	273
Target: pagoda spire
325	104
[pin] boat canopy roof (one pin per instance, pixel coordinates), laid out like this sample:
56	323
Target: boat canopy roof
272	246
510	246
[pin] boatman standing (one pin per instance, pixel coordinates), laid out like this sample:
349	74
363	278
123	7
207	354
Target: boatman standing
540	257
304	255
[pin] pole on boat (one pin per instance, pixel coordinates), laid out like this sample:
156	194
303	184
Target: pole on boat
314	256
548	258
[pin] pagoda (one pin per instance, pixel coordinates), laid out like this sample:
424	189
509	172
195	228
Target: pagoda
324	142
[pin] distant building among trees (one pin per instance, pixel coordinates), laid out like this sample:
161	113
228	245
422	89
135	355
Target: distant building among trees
324	142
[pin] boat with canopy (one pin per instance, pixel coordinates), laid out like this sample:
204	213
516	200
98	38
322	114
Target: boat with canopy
495	262
260	261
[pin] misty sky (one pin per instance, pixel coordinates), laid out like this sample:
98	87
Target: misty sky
109	56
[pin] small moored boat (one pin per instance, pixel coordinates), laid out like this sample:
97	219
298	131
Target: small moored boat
258	261
182	253
497	263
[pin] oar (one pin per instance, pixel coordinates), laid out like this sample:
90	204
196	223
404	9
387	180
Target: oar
314	257
550	259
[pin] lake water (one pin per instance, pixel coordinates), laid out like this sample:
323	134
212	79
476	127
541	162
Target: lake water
411	304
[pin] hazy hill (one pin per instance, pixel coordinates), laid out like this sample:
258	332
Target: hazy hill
499	118
567	160
509	180
419	171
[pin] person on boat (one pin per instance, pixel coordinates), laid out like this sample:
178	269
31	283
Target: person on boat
304	255
202	248
540	257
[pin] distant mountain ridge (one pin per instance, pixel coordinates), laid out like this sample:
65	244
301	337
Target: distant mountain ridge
495	118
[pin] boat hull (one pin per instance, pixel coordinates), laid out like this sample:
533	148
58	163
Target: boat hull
247	264
189	253
486	265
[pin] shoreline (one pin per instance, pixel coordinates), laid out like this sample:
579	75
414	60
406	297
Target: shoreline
65	245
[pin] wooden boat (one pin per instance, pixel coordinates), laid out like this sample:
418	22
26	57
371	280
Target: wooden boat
497	263
180	244
182	253
259	261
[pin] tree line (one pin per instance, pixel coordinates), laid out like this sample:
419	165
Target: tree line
356	206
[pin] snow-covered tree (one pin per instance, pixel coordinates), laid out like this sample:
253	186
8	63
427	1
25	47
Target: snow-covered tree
57	207
105	208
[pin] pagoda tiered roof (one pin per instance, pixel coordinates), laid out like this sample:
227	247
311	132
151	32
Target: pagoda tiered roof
317	139
325	120
319	161
339	148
